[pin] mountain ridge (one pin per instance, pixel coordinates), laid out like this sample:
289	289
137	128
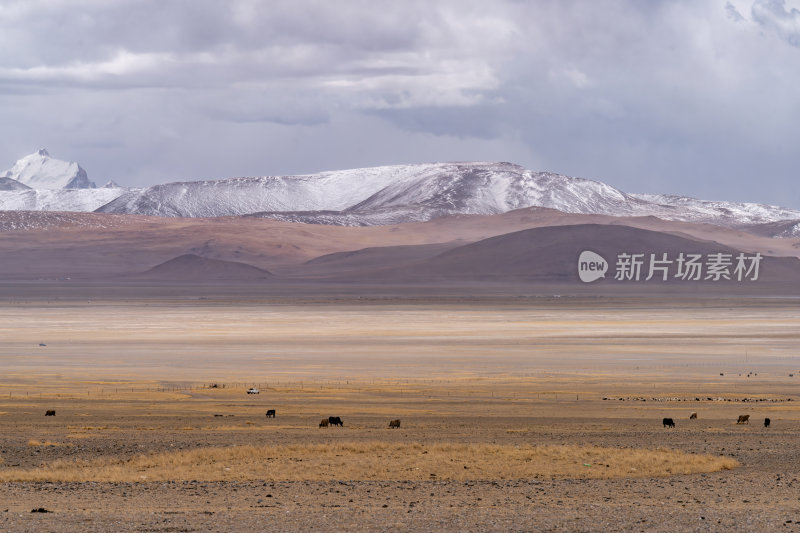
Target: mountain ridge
416	193
377	196
536	257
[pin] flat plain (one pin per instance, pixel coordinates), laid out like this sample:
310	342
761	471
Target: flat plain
517	414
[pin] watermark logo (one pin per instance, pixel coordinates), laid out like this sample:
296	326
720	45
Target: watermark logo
683	266
591	266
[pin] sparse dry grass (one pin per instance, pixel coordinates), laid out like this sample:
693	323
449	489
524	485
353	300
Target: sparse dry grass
378	460
251	428
34	442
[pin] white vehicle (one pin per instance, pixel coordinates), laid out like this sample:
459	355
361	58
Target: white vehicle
253	390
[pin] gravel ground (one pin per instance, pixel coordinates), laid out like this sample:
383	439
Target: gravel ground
762	495
713	502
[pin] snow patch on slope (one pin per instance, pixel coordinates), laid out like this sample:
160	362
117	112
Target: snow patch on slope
40	220
9	184
732	212
81	200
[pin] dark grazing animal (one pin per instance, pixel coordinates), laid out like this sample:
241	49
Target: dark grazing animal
50	413
335	421
693	416
668	423
743	419
394	423
323	423
766	422
270	413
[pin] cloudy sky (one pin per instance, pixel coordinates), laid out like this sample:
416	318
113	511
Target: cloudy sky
694	97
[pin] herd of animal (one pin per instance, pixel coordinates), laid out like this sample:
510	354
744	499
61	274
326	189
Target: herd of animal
743	419
337	421
325	422
331	420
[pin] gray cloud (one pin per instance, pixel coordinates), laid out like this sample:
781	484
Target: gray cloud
733	13
682	97
775	17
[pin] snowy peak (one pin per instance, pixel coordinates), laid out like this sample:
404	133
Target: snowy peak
40	171
489	188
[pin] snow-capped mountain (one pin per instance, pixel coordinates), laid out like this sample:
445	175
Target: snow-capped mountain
381	195
40	171
327	191
403	193
38	182
366	196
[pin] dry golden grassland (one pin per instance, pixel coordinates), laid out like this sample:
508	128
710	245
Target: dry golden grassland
376	460
501	391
